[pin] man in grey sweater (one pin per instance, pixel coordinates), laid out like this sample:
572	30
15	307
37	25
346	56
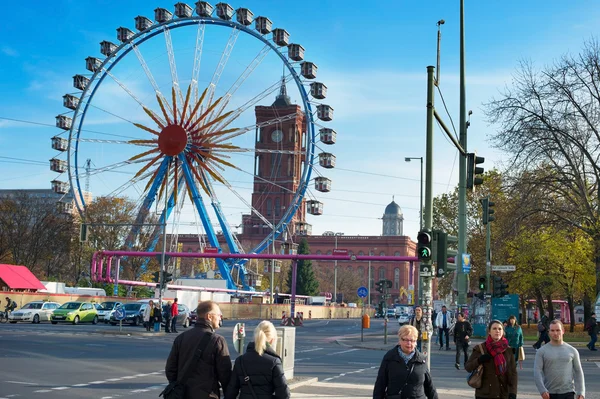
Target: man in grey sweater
557	369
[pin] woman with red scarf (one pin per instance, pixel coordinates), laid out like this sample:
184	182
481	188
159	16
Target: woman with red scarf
499	378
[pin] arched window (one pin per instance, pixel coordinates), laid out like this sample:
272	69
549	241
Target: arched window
277	206
382	253
318	252
269	206
361	274
329	252
397	253
360	253
397	278
349	268
382	273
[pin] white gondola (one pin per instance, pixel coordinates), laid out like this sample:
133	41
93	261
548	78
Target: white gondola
57	165
182	10
314	207
224	11
244	16
60	144
303	229
308	70
142	23
70	101
318	90
327	135
64	207
296	52
107	48
324	112
92	64
281	37
327	160
162	15
263	25
80	82
60	187
322	184
64	122
124	34
204	9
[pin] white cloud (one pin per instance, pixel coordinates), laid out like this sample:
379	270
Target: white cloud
9	51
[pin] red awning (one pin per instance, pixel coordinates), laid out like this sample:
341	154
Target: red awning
19	278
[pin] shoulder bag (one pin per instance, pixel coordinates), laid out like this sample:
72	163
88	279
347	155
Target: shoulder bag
246	378
399	394
475	378
176	389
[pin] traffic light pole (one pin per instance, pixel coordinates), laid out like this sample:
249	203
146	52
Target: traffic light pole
426	268
488	252
462	180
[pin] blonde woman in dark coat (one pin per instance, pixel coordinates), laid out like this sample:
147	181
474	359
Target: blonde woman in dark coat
499	378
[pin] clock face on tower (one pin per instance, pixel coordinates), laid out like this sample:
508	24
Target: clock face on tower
277	135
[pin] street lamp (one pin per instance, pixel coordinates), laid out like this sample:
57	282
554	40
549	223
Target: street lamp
408	159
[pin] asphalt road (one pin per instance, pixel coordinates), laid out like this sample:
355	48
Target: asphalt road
86	361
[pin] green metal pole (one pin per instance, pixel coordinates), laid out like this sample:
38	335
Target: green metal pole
427	276
462	170
488	255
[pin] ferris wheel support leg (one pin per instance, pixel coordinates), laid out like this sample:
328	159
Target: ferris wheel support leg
208	228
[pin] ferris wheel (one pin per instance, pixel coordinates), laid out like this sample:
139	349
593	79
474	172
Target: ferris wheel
169	119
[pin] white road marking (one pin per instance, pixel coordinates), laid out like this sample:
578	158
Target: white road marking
43	391
60	388
114	379
309	350
140	390
304	358
339	353
80	385
598	364
21	382
128	377
96	382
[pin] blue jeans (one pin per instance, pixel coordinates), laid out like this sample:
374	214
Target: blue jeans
156	326
593	340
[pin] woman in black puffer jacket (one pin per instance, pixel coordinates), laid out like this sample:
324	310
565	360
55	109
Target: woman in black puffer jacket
263	367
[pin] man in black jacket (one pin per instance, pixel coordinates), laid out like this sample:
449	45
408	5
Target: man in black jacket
214	371
462	334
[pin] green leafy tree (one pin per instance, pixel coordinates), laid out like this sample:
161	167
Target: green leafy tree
306	282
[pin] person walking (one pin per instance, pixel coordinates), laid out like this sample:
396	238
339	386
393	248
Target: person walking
592	329
557	368
543	326
211	374
499	376
443	323
514	335
174	315
417	322
167	317
147	314
156	317
462	336
258	373
403	372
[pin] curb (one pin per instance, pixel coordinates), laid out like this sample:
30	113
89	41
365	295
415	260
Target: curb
298	384
130	333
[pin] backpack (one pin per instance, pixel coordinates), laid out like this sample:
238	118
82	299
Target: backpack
541	327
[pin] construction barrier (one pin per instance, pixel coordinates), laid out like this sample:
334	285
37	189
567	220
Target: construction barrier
299	318
283	319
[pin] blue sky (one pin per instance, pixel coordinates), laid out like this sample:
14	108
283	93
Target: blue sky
372	57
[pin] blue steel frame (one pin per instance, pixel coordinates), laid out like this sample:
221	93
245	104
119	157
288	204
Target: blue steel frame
101	74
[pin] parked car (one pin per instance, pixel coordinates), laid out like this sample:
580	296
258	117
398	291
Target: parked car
182	317
379	315
403	318
193	316
106	309
75	312
390	313
34	312
134	314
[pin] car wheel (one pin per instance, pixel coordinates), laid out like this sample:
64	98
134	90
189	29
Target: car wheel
95	321
76	320
136	321
54	322
36	319
186	323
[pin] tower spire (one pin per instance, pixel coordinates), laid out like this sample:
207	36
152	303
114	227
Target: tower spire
282	100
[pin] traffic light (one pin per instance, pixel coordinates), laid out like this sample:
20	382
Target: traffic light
424	246
388	284
500	287
473	172
488	211
380	285
83	232
156	277
168	277
445	249
482	283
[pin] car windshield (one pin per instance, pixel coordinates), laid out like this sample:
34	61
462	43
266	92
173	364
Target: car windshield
32	305
107	305
71	305
132	306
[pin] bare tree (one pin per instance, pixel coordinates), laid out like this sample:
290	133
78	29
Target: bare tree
549	121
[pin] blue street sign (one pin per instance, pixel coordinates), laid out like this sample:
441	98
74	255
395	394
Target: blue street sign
466	263
362	292
119	313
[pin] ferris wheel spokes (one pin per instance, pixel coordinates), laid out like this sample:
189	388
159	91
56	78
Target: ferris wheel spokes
173	68
197	61
214	82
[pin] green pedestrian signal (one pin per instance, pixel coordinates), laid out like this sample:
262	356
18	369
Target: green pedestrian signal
424	239
482	283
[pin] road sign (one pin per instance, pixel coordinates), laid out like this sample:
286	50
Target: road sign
119	313
504	268
239	333
362	292
466	262
211	250
340	252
